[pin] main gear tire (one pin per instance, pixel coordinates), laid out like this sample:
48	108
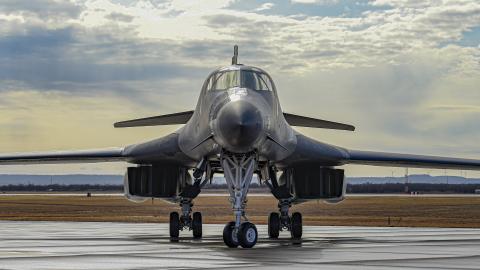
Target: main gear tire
273	225
197	225
296	226
174	225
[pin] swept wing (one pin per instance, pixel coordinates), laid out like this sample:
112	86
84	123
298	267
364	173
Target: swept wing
409	160
79	156
313	151
304	121
166	119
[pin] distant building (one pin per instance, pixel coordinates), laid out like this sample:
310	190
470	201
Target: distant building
477	191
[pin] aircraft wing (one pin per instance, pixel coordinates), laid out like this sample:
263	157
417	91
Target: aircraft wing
304	121
407	160
52	157
167	119
164	149
313	151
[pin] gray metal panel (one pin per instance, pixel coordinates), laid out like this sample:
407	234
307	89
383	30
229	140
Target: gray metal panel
161	150
406	160
303	121
83	156
167	119
309	150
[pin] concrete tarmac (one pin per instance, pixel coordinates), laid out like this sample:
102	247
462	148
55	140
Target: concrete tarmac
225	194
104	245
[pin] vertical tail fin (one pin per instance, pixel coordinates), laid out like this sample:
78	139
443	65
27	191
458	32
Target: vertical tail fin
235	55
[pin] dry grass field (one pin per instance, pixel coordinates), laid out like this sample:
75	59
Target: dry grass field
364	211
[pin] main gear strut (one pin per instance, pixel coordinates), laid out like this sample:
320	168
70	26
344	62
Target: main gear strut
186	220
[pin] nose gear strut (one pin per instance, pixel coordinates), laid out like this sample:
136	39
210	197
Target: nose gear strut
238	170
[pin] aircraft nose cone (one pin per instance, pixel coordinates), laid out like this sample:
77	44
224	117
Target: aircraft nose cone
240	124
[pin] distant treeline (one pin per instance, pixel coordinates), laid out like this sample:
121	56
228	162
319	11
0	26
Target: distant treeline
413	187
89	187
56	187
356	188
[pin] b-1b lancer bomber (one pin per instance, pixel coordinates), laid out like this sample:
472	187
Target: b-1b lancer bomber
238	129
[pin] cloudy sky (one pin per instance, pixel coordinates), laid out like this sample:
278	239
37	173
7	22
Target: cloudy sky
406	73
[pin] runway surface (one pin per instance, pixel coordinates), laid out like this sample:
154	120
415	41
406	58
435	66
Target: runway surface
97	245
225	194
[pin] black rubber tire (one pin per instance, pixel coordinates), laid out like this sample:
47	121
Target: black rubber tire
174	225
228	237
296	223
197	225
247	235
274	225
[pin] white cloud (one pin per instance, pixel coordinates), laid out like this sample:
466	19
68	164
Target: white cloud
265	6
318	2
395	72
377	36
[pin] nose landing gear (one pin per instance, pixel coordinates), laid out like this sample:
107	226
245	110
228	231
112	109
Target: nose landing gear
238	170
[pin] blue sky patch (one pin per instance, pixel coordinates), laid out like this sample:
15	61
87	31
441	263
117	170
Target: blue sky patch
287	8
471	38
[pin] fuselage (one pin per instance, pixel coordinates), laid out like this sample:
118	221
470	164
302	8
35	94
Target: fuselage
238	111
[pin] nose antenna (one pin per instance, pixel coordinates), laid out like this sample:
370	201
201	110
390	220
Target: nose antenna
235	55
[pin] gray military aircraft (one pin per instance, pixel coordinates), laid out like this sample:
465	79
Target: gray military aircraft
238	129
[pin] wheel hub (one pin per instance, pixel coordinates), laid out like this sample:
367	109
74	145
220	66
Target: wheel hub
251	235
235	235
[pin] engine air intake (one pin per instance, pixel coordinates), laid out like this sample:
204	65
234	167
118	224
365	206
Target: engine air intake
314	182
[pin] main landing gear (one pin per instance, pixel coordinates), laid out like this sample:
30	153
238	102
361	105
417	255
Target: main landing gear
282	221
238	170
186	220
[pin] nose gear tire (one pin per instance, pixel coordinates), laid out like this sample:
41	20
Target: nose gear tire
247	235
229	238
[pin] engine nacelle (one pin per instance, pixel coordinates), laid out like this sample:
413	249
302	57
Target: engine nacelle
155	181
313	182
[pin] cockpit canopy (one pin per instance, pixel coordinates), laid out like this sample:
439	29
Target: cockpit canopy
251	79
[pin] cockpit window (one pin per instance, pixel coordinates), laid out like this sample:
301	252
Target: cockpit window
224	80
255	80
245	78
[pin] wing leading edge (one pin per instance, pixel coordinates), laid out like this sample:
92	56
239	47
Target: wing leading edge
407	160
53	157
167	119
304	121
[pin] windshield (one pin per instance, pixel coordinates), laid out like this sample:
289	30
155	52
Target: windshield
245	78
224	80
255	80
